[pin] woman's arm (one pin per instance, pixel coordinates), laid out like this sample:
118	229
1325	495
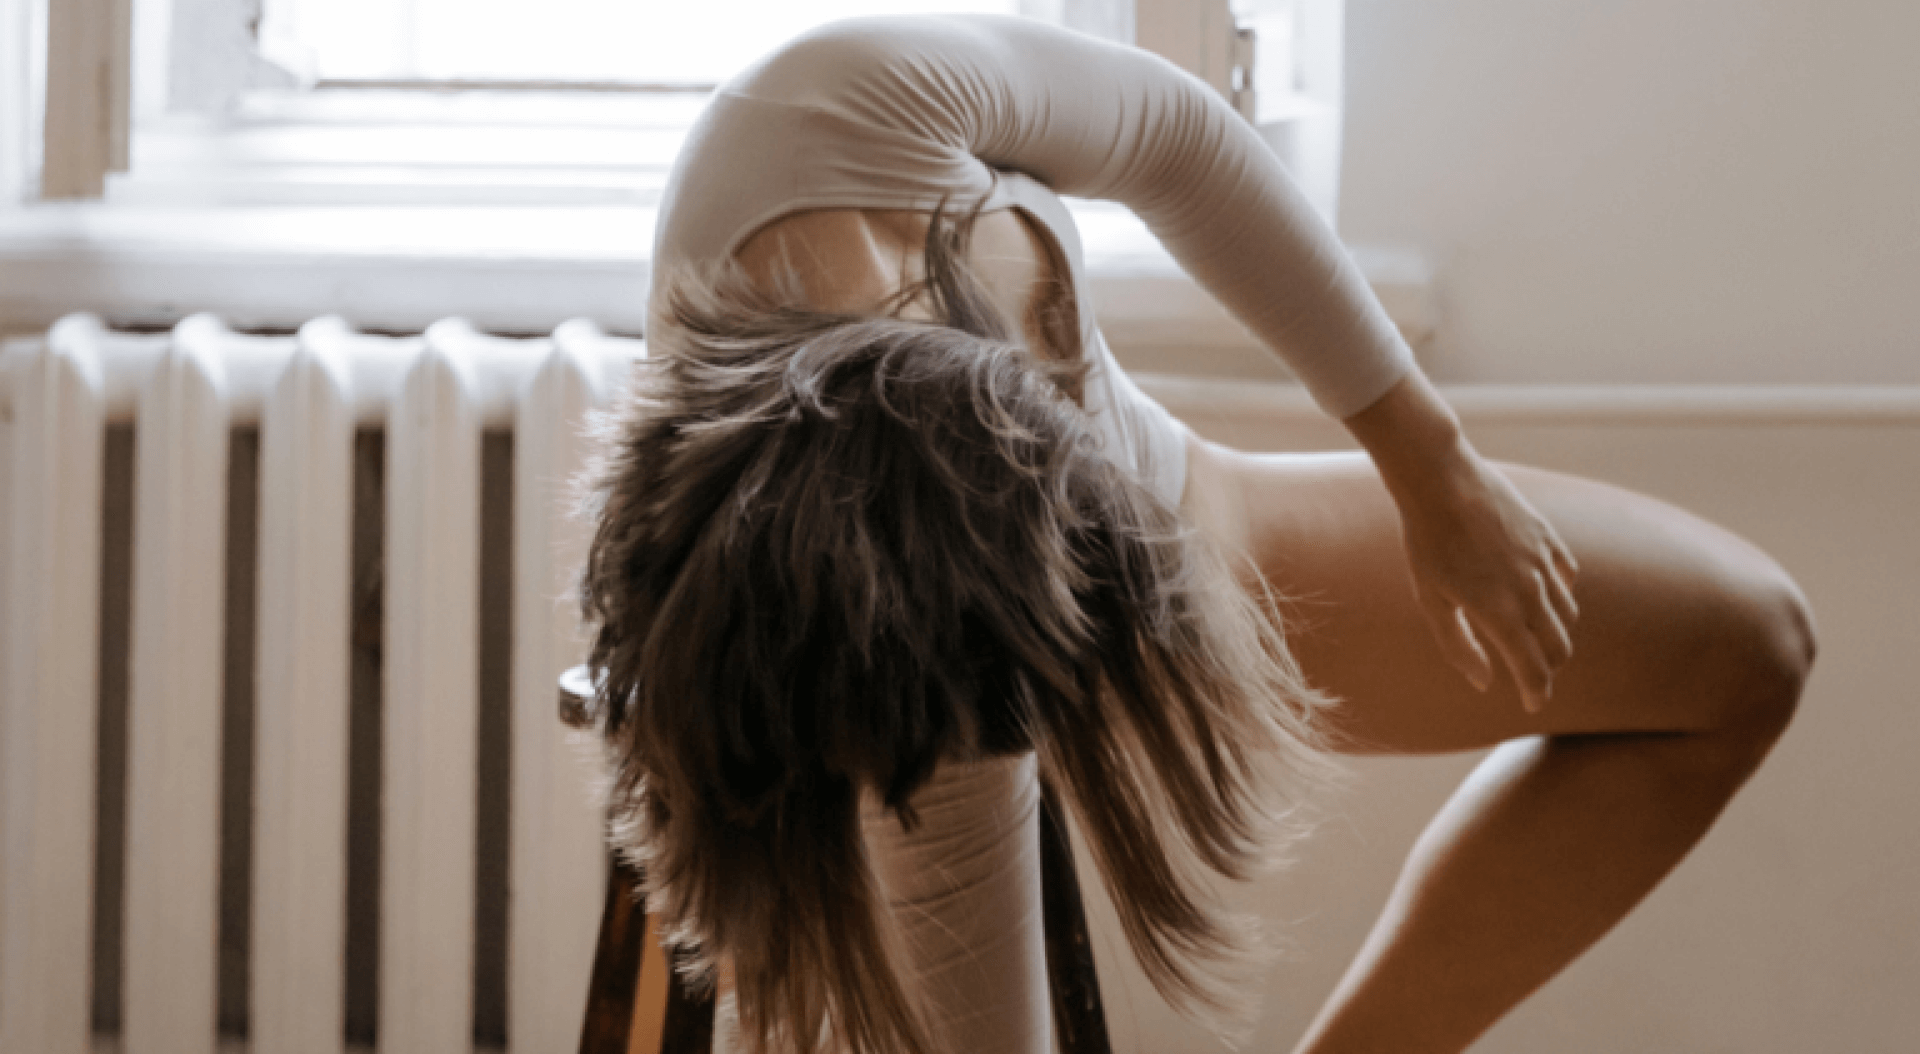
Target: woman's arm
1091	118
1095	119
938	97
907	110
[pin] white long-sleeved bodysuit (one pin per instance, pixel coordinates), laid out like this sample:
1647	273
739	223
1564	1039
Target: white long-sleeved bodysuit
907	113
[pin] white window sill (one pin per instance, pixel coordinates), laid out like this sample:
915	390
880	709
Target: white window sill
522	269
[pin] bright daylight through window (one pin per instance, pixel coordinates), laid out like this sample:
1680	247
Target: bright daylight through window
560	42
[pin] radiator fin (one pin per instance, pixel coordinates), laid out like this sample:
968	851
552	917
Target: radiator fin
296	984
556	832
431	725
48	689
174	708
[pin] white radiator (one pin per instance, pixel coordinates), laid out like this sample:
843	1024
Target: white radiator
186	394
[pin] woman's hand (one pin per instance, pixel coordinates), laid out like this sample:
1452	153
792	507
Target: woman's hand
1488	568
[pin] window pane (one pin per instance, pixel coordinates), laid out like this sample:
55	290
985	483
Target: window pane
637	41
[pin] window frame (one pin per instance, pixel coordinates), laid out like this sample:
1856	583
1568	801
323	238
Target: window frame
19	99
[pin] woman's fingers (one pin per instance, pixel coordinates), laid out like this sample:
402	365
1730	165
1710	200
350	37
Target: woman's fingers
1456	639
1559	596
1532	636
1556	618
1521	649
1563	560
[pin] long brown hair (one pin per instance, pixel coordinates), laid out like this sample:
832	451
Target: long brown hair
835	550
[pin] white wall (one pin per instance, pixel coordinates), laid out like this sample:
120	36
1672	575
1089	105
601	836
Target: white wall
22	35
1645	190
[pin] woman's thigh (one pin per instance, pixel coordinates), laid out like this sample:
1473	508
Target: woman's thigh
1674	611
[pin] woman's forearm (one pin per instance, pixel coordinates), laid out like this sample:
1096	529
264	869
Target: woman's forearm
1414	438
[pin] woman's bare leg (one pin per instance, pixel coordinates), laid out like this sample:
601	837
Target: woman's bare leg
963	887
1688	660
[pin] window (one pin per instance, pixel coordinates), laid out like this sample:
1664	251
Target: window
582	43
180	73
396	161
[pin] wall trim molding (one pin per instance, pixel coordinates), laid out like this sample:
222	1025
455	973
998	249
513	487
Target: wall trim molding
1570	404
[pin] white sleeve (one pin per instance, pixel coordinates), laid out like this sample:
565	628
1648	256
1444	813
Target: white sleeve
1096	119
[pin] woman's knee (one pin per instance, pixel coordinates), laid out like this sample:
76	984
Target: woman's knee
1721	633
1762	653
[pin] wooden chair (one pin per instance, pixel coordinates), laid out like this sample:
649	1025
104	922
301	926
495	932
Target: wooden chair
636	1003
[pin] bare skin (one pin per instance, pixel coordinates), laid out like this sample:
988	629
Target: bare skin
1631	663
857	259
1687	659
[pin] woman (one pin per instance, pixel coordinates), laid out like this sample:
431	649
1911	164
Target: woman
815	309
